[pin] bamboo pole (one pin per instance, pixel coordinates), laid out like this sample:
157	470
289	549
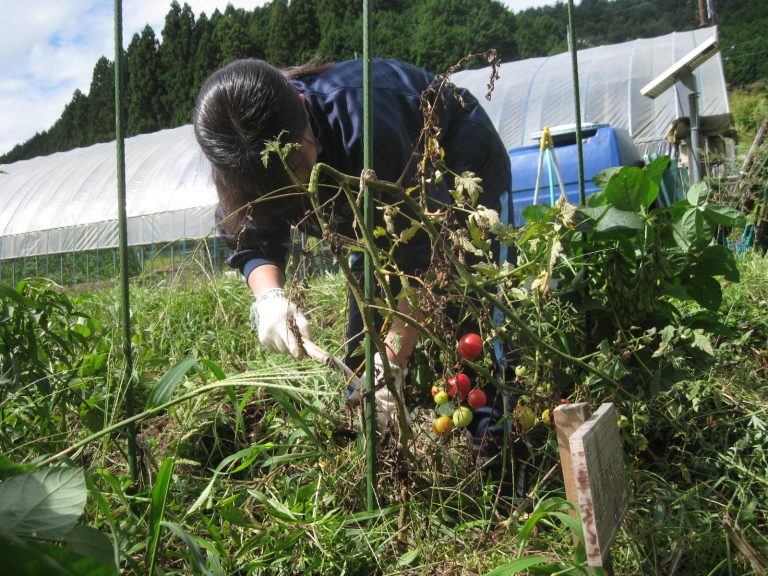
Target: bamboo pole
125	306
368	274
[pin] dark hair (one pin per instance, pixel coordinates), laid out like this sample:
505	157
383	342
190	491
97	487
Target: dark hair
240	108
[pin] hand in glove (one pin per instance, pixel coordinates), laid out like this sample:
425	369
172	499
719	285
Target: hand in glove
272	314
386	407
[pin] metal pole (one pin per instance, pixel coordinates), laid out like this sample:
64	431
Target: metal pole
125	306
576	100
695	164
370	412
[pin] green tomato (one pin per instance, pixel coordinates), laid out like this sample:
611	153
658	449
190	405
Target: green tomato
462	417
525	418
441	398
521	371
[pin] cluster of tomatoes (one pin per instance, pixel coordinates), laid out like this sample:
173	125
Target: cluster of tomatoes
459	389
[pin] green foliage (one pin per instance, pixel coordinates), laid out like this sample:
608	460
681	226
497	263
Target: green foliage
44	505
49	352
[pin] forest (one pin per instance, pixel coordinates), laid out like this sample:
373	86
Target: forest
164	71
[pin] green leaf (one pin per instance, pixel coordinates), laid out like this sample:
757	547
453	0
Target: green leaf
630	190
706	291
9	468
538	213
409	557
7	291
20	556
166	386
608	218
90	542
716	260
519	565
158	500
601	179
44	503
724	216
697	194
655	170
693	231
195	552
283	398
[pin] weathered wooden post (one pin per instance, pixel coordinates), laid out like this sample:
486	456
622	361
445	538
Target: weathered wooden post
592	460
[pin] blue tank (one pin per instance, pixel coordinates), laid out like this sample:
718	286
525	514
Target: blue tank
603	147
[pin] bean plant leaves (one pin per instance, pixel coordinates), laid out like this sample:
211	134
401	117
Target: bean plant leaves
32	558
655	170
724	216
716	260
630	189
90	542
706	291
693	230
697	194
44	503
608	218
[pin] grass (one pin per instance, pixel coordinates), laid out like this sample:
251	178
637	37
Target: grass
268	472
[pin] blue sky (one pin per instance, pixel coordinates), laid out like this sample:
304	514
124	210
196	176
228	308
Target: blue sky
48	49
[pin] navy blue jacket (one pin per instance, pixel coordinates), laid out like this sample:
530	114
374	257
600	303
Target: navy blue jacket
334	99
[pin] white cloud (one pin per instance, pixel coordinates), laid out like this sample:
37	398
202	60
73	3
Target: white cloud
48	49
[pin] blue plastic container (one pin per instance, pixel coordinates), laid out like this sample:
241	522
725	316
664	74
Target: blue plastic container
603	147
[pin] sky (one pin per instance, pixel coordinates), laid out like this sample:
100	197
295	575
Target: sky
48	49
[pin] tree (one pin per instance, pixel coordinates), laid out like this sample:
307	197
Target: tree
144	88
177	52
101	102
447	30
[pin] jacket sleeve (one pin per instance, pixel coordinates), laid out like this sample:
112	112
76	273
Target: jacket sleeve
253	247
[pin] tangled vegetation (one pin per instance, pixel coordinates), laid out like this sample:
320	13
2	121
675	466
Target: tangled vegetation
252	464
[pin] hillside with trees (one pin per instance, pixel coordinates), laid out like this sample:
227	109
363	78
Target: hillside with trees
164	71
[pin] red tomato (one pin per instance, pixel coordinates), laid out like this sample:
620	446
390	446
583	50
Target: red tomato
470	346
461	384
477	398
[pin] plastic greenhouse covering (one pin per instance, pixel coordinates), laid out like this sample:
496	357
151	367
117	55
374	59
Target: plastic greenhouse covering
67	202
532	94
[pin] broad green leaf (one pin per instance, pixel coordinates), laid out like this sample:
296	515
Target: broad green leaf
608	218
519	565
693	231
166	386
30	558
601	179
44	503
538	213
724	216
158	500
706	291
630	190
716	260
697	194
90	542
655	170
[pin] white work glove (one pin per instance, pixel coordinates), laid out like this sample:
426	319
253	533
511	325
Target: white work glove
270	315
386	408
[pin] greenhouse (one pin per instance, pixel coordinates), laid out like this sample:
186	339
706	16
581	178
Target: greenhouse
58	213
